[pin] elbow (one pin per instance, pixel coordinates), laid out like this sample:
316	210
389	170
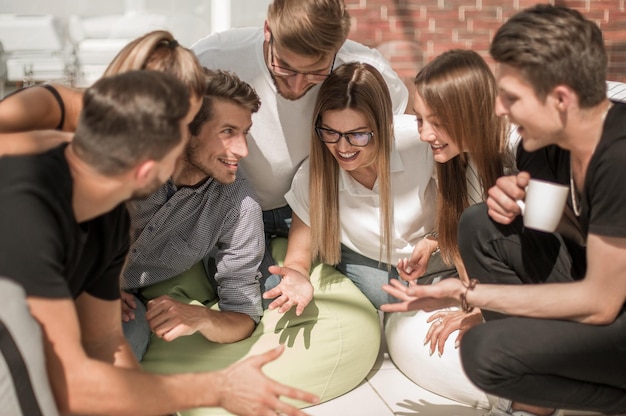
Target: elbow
604	316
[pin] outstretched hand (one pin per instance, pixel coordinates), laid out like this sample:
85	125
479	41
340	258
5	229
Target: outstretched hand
423	297
294	289
245	390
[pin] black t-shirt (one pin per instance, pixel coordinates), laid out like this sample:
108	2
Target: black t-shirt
42	247
603	201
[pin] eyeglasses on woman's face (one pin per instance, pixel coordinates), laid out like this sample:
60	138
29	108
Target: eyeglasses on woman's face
355	138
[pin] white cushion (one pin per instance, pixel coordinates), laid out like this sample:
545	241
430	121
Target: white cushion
405	333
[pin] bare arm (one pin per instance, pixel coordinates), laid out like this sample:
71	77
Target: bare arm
104	341
597	299
82	384
31	141
170	319
36	108
295	288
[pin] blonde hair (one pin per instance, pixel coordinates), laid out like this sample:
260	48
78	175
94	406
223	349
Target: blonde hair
159	51
460	90
359	87
309	27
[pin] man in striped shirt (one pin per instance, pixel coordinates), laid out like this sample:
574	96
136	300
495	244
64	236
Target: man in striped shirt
203	213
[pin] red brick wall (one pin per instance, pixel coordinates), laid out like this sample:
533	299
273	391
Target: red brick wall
410	33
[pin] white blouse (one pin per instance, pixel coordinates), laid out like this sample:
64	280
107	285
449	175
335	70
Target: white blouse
413	191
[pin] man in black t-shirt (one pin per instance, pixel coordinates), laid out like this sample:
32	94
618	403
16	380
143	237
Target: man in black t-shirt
554	336
64	238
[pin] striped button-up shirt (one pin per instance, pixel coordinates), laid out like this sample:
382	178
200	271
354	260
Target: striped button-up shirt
175	228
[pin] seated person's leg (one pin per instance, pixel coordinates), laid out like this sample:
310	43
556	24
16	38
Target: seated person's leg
276	222
23	377
137	331
549	363
512	254
370	275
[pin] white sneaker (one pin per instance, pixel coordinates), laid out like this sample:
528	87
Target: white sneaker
502	407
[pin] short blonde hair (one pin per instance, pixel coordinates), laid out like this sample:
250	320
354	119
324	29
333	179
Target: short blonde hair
159	51
309	27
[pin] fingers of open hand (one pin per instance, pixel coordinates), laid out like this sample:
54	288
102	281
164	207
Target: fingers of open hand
272	293
396	289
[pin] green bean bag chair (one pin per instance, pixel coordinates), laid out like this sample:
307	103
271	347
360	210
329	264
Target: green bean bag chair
329	350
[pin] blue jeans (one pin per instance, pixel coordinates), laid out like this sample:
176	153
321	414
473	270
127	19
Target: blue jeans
137	331
369	275
277	223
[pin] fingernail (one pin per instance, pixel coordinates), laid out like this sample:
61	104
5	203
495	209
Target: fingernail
409	269
425	340
457	343
439	354
432	352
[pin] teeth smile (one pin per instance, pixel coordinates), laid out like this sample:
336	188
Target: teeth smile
228	162
347	155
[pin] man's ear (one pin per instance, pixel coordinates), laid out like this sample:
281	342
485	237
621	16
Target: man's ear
267	32
564	96
144	172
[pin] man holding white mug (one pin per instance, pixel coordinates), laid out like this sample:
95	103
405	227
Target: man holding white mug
562	342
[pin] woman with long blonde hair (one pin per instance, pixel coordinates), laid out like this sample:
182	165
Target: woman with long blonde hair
365	198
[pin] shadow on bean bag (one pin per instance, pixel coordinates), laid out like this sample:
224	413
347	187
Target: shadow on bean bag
329	350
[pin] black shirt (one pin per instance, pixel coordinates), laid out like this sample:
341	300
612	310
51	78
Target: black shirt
603	200
42	247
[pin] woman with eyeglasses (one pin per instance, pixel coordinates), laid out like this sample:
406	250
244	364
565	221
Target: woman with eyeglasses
366	196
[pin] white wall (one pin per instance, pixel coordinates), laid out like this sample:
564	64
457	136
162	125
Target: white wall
94	31
243	12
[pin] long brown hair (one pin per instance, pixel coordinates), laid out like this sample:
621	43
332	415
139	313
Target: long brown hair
359	87
460	90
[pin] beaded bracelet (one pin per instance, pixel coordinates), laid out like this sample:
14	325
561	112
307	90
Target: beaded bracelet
465	307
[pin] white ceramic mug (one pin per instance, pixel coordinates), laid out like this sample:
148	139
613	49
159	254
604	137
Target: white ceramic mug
544	204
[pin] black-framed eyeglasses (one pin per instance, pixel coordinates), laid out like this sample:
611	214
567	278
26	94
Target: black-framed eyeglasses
355	138
281	71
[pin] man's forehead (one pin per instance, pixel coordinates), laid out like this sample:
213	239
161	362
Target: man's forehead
294	60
